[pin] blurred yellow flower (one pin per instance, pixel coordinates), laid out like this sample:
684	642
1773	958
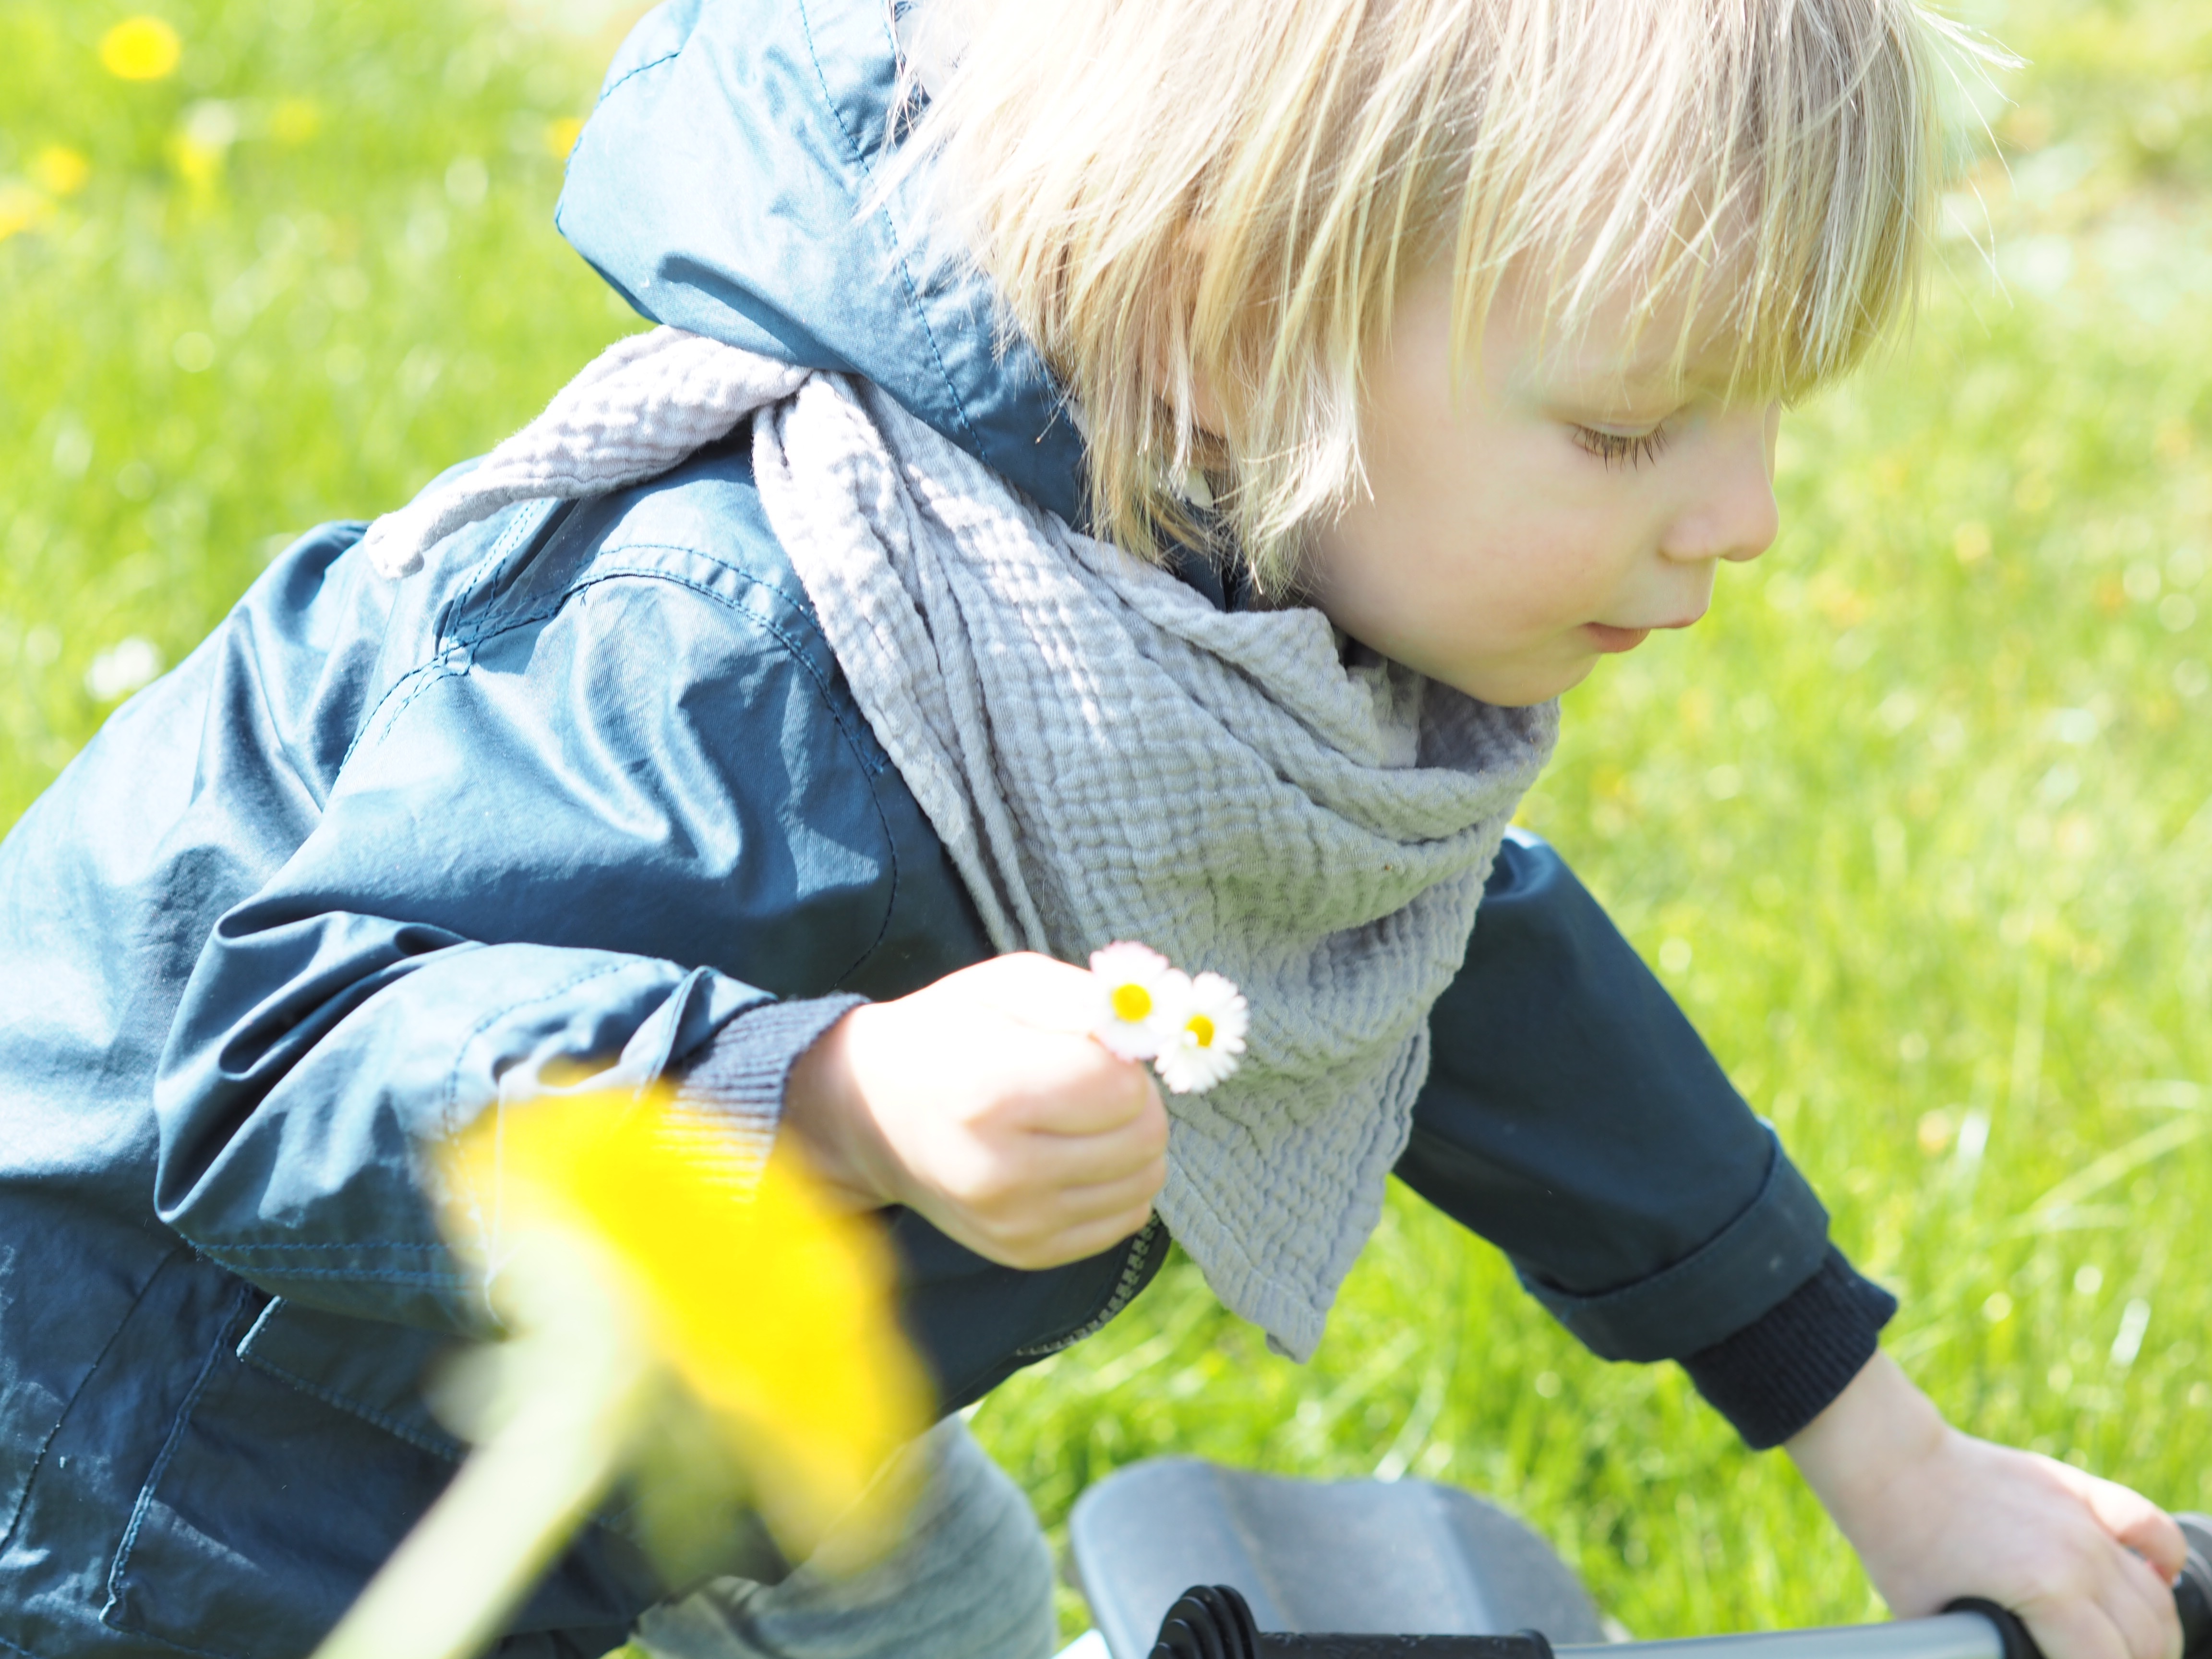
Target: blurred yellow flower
772	1308
561	135
198	165
203	142
20	208
141	49
675	1310
59	170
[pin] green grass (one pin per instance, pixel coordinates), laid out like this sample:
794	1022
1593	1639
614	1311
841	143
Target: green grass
1919	826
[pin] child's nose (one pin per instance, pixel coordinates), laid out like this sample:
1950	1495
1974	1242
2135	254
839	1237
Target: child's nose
1729	512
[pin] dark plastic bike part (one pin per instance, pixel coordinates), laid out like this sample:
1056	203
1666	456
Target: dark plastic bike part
1344	1556
2192	1594
1211	1621
2192	1600
1365	1556
2018	1643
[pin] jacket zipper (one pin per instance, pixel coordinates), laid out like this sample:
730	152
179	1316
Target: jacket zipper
1140	1252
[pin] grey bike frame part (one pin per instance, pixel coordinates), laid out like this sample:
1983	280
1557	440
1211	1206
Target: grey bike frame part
1948	1636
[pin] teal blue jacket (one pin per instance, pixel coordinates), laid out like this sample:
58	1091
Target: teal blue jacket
589	803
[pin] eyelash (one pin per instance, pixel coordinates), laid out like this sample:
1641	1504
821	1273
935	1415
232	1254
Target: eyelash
1616	450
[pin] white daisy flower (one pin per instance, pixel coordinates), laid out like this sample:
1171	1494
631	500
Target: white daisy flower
1209	1038
1142	998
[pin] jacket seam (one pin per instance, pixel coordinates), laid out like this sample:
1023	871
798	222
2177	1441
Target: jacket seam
446	630
1629	1293
905	269
449	1113
354	1244
792	644
560	517
444	650
408	687
794	649
506	1011
331	1397
390	1426
38	1462
629	75
121	1565
1598	1320
381	1276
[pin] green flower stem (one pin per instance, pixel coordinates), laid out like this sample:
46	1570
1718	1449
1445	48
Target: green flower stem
573	1395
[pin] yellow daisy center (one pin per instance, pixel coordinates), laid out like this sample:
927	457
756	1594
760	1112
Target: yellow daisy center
1201	1031
1132	1003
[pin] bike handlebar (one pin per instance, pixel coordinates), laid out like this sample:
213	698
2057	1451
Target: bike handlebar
1213	1622
2192	1600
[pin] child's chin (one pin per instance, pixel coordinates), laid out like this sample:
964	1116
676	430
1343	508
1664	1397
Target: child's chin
1520	685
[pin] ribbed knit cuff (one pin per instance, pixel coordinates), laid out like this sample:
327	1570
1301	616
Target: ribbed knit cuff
1781	1371
739	1076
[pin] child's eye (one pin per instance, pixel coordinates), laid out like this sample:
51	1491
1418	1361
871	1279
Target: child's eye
1619	449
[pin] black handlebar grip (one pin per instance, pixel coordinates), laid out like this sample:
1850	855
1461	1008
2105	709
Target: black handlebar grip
2018	1643
2193	1591
2192	1600
1213	1621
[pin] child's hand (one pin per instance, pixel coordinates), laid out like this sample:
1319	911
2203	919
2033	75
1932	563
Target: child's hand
982	1102
1936	1515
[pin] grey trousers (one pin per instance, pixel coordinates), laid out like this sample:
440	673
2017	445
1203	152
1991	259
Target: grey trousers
972	1580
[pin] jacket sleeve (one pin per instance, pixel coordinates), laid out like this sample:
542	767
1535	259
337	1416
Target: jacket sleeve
596	847
1573	1117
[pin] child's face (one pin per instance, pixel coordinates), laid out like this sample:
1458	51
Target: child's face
1564	503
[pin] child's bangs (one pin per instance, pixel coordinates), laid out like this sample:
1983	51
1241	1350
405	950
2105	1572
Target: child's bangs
1757	179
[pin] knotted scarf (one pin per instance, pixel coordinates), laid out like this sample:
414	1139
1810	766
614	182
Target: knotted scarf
1106	756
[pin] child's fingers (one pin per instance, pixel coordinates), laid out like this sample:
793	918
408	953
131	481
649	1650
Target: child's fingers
2135	1594
1069	1167
1033	990
1099	1199
2135	1522
1114	1097
1059	1235
2115	1600
2141	1604
1103	1234
2079	1628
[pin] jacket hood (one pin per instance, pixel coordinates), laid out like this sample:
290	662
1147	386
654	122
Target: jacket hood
723	184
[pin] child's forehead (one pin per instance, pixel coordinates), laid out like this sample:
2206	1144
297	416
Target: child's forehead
1622	345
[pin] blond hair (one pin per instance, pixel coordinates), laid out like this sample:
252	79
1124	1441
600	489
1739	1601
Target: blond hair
1174	195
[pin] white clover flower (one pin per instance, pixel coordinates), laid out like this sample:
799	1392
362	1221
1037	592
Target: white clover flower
1209	1038
1142	998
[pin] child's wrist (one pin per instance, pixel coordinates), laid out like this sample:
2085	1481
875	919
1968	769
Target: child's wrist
824	1109
1880	1427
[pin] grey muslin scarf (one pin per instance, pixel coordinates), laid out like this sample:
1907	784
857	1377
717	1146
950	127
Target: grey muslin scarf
1108	756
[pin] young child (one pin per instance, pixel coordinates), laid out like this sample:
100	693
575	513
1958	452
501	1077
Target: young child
766	720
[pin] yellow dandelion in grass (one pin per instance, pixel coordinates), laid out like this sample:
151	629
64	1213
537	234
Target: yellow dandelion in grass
22	208
725	1335
60	171
141	49
202	143
561	137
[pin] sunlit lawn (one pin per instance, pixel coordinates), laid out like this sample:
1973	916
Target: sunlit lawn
1919	827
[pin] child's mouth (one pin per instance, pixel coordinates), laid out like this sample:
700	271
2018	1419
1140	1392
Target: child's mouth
1608	638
